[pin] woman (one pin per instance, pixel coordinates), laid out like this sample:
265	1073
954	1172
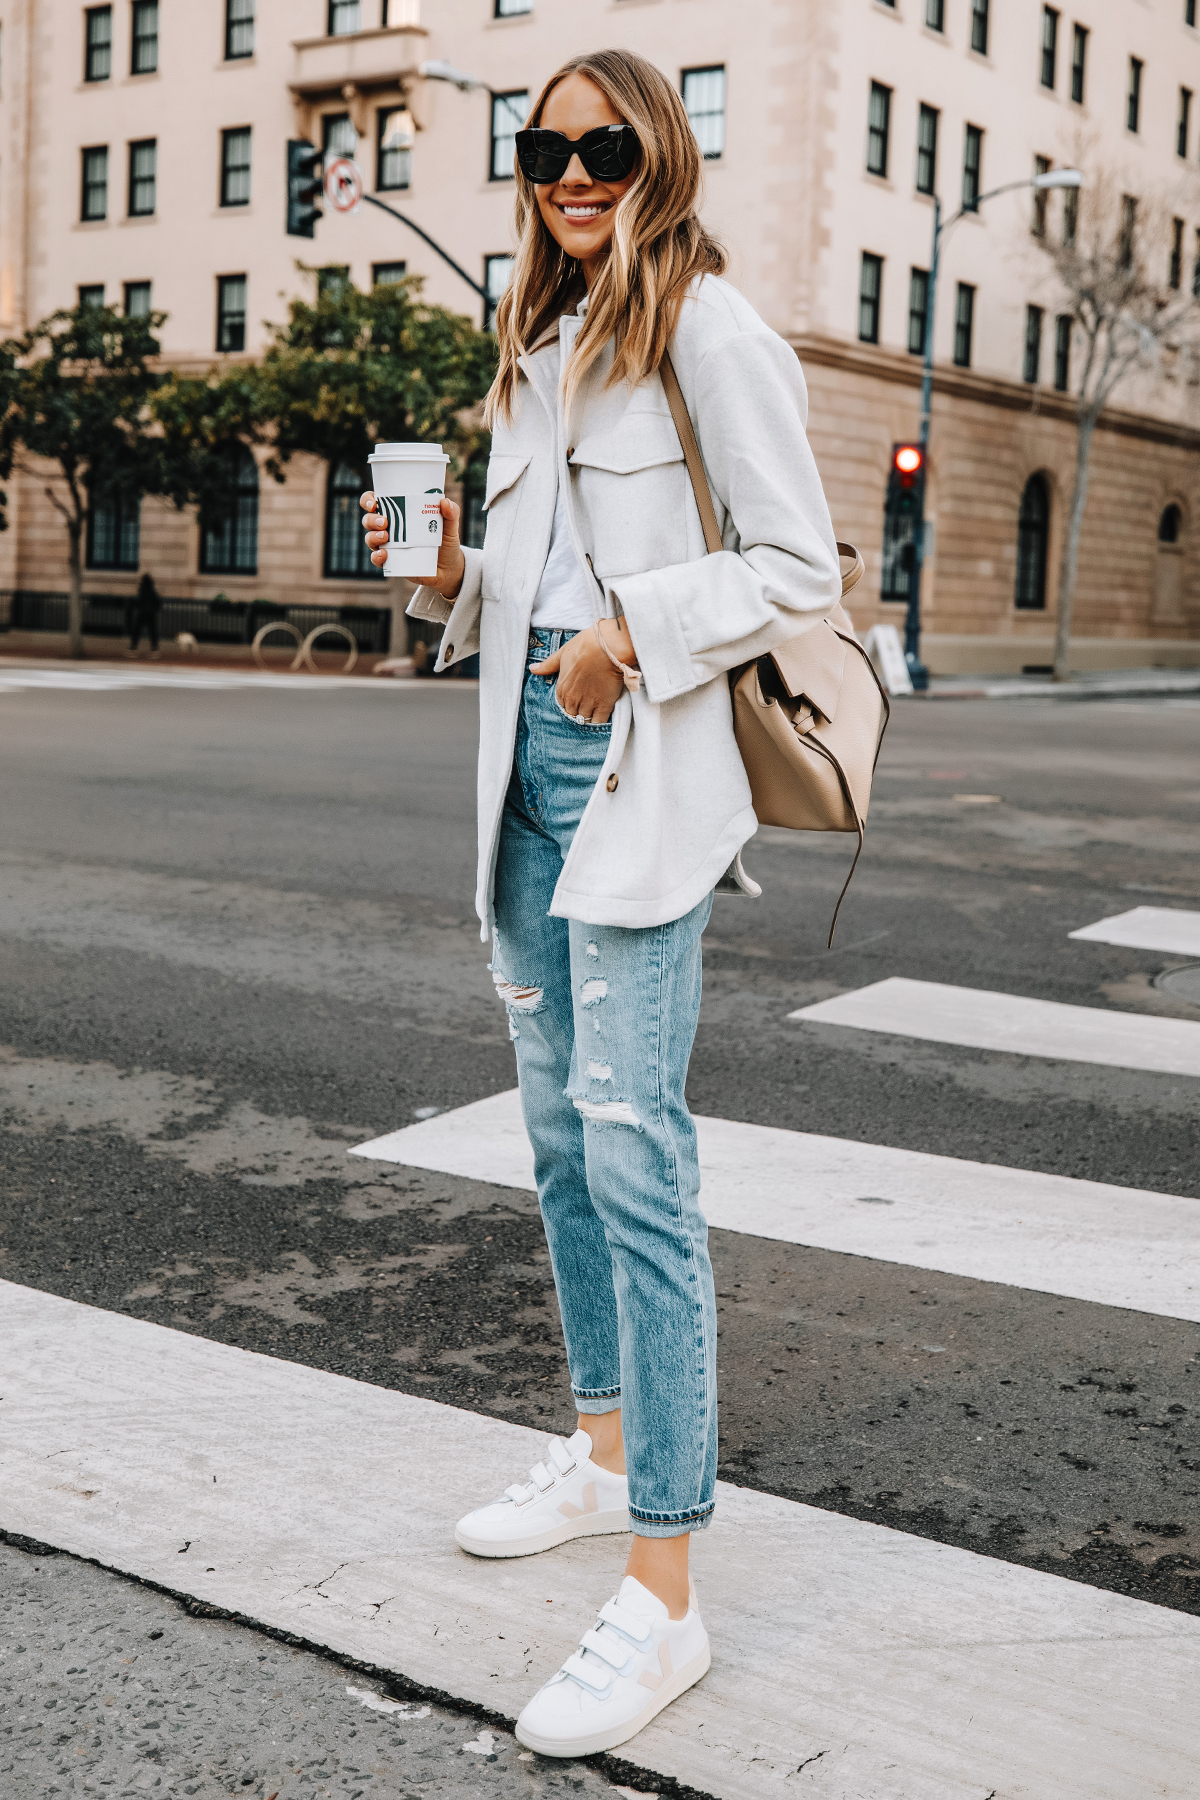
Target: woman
612	802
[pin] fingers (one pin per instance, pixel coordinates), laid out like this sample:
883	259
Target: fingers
549	667
367	502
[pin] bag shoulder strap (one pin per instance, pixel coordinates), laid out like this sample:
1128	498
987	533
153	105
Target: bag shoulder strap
695	469
691	454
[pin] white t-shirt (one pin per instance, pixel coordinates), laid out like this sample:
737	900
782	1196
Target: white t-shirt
563	601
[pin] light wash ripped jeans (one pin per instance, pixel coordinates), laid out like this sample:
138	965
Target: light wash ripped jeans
602	1019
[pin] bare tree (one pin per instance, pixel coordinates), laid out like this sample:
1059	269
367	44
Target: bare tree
1124	288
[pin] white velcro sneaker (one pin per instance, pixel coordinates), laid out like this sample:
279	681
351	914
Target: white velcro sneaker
567	1496
635	1660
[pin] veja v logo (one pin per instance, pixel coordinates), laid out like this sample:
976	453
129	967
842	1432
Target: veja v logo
393	509
648	1678
570	1511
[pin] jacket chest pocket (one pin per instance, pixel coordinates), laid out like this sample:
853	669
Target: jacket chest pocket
501	503
632	489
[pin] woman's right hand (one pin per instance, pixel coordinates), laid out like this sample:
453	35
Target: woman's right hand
451	563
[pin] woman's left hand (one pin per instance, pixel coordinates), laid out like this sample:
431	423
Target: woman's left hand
588	685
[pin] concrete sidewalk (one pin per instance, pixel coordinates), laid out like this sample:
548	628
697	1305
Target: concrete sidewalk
1106	684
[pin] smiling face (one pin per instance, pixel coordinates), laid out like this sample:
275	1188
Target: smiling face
578	210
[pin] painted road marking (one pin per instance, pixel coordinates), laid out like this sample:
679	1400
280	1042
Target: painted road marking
1087	1240
1010	1022
324	1507
1165	928
108	679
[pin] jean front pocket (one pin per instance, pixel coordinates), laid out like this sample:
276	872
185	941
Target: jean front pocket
579	724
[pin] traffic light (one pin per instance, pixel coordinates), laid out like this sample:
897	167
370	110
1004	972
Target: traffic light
304	184
906	481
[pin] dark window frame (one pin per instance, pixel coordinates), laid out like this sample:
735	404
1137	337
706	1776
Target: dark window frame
870	297
979	27
490	305
1175	266
333	17
235	27
1127	240
685	75
1032	363
231	548
94	51
927	146
90	293
879	128
1183	125
403	154
1033	545
356	481
1063	326
231	170
231	320
1170	523
1133	99
495	139
126	528
1041	197
88	184
1050	17
136	180
964	324
1079	64
935	15
378	279
972	172
1189	12
132	293
918	310
140	38
511	9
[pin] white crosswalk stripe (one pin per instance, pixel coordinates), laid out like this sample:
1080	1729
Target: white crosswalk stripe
1084	1239
324	1507
1010	1022
1166	928
111	679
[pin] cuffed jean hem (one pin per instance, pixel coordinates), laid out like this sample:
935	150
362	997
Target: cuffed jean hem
661	1525
597	1403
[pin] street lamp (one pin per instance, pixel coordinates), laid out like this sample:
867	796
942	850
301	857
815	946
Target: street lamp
1053	178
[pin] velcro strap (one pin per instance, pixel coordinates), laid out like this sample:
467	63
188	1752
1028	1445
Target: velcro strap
541	1477
578	1670
611	1648
560	1456
637	1630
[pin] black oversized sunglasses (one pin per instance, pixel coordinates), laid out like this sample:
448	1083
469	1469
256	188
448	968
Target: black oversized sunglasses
608	154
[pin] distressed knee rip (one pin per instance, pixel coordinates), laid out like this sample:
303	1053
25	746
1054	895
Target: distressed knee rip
517	998
606	1112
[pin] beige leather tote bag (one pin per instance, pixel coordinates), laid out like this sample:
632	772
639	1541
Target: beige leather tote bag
809	718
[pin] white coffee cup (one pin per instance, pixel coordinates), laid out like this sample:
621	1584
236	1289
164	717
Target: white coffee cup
409	482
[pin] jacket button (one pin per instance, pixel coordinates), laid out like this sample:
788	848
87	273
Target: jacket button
570	452
611	783
449	652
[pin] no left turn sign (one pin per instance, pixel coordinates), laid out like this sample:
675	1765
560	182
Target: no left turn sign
344	184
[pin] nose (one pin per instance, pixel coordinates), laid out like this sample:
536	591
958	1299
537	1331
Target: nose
575	175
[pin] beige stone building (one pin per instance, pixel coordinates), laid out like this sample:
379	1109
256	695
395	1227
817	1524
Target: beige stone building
143	147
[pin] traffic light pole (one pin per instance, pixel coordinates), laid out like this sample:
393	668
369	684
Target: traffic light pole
412	226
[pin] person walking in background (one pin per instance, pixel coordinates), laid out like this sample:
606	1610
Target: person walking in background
613	802
141	614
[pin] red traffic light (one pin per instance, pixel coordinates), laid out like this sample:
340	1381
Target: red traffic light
908	459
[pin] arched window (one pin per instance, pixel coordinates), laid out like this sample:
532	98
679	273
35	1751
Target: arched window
113	531
346	551
1033	533
229	545
1169	525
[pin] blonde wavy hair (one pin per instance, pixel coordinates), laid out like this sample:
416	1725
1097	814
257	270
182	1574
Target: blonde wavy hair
658	244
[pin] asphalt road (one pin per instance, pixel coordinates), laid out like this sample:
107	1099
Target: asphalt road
236	935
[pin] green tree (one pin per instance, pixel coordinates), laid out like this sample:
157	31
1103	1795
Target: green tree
77	392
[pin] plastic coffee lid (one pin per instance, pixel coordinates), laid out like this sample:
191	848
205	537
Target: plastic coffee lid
408	453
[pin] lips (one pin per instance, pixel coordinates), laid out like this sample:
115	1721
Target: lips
583	215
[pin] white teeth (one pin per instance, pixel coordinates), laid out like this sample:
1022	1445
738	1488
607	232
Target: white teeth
582	212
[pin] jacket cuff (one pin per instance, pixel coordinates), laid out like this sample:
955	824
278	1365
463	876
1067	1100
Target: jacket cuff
428	603
649	604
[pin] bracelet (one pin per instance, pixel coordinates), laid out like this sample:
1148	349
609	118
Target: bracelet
631	677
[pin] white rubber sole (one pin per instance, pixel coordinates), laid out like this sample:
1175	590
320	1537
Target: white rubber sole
597	1524
679	1683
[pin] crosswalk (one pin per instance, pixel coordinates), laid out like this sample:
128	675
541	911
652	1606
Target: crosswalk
851	1658
112	678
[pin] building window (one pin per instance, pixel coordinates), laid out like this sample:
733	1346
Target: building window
346	552
1070	215
1031	368
144	57
1185	118
1062	352
239	29
870	287
964	324
1078	63
229	544
508	116
143	178
927	132
231	312
474	493
137	299
235	167
879	113
935	14
92	294
1196	268
338	136
1033	534
1128	230
497	273
918	310
97	55
94	199
1169	524
383	274
1175	276
508	9
704	102
345	17
1041	196
393	156
1133	104
972	167
1189	12
979	26
113	531
1049	46
333	281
